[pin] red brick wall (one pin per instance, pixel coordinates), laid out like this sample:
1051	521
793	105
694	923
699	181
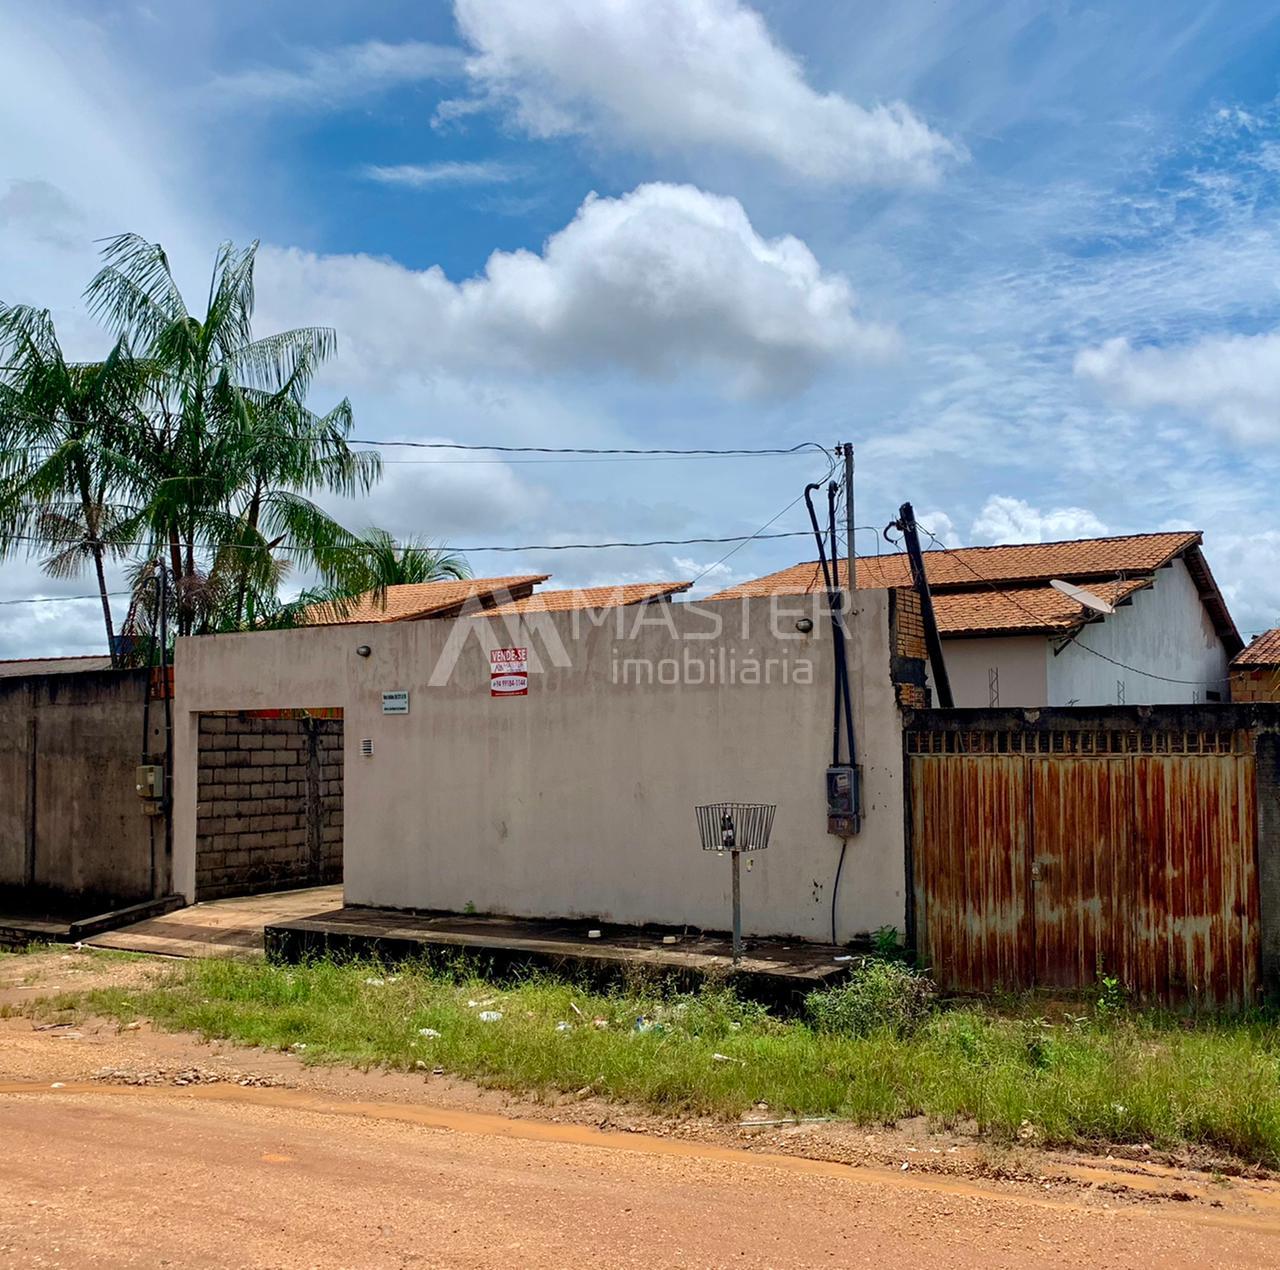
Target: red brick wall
1255	683
910	654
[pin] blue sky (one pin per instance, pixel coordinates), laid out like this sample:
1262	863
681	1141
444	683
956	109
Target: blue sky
1024	256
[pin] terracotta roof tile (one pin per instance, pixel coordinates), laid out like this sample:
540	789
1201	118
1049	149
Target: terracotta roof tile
1024	610
426	599
601	597
1263	651
965	568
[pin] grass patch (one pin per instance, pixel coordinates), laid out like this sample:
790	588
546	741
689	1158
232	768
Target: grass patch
1102	1076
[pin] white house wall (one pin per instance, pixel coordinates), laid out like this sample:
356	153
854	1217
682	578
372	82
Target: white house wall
1165	630
578	800
1020	661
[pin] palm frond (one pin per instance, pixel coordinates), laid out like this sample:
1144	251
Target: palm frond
134	293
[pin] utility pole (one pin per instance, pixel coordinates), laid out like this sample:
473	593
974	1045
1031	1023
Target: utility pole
906	524
845	451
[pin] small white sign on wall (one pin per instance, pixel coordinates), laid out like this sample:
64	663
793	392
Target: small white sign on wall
396	702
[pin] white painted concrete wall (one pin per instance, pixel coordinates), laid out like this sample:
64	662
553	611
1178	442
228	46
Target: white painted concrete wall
1020	660
578	799
1165	630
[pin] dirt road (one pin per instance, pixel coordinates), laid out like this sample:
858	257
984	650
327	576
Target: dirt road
228	1176
136	1148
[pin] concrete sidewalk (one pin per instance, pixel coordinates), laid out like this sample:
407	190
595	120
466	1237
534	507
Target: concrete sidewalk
220	928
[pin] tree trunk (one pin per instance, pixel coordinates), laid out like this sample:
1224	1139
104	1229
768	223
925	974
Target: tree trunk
106	603
255	510
92	528
175	568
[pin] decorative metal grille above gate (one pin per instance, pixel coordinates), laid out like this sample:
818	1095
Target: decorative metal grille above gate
1101	742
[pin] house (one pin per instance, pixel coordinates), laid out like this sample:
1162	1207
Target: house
1255	672
1012	639
573	798
622	595
418	601
495	597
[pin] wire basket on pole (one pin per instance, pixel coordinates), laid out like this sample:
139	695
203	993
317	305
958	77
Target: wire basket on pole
735	828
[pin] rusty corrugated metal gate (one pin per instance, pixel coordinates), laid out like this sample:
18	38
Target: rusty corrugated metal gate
1050	859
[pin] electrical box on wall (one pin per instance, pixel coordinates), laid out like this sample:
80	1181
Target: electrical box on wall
149	782
844	800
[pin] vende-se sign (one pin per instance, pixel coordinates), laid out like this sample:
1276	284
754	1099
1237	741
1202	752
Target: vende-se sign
509	672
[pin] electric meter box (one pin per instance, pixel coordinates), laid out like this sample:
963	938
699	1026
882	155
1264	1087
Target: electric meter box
149	779
844	802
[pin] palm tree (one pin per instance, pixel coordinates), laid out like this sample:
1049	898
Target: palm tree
225	450
392	563
376	561
61	428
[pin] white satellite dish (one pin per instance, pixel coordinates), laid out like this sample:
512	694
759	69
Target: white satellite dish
1087	599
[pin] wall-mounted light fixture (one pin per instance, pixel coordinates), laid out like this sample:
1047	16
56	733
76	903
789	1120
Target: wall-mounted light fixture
804	625
364	651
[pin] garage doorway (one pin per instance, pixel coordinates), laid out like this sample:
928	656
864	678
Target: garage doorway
269	809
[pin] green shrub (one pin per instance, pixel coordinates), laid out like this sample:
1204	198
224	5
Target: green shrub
879	996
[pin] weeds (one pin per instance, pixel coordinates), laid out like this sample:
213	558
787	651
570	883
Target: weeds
878	996
872	1051
885	942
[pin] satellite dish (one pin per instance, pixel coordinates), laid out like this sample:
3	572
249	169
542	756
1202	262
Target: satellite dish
1086	599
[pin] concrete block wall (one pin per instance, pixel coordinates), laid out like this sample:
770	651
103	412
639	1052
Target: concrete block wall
74	838
269	811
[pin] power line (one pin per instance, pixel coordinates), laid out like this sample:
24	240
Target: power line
735	452
61	599
360	548
651	458
1078	643
563	453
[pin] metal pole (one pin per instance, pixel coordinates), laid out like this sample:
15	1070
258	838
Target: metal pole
850	554
167	802
737	908
933	641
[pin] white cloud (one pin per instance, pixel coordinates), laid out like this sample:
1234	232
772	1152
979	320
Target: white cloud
669	75
1006	520
664	280
420	176
331	77
1232	380
445	501
941	527
1245	566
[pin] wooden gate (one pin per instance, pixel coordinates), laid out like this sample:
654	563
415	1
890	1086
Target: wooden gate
1052	859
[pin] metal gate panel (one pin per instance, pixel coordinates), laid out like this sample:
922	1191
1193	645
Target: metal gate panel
970	870
1052	865
1081	812
1196	885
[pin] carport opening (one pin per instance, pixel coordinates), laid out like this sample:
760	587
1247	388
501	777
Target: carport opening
269	810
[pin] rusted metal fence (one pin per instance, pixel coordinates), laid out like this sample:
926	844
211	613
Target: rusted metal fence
1053	859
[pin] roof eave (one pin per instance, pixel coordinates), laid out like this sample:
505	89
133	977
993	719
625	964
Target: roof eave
1212	598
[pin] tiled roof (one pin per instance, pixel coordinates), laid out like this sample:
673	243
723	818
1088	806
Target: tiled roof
1004	590
427	599
600	597
1263	651
1021	610
966	568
